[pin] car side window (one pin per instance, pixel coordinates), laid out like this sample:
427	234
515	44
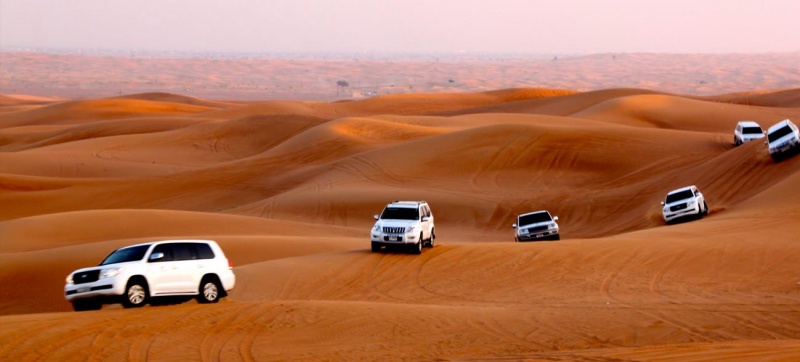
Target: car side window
166	249
204	251
427	211
184	251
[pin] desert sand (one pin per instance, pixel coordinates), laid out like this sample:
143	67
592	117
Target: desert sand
288	188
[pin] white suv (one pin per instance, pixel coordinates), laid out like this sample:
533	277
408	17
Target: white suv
537	225
404	223
747	131
683	202
783	139
136	273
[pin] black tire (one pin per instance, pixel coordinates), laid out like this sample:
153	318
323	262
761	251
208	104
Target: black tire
376	247
417	248
432	238
136	294
82	305
705	208
209	291
557	237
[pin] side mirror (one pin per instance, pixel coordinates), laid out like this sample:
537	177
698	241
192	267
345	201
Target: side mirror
555	218
156	256
662	203
376	217
426	218
514	226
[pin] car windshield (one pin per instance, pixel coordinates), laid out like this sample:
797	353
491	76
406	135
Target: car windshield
752	130
534	218
783	131
678	196
400	213
126	254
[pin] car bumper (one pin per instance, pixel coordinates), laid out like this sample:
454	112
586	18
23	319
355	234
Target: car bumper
394	239
672	215
785	148
544	235
228	280
101	288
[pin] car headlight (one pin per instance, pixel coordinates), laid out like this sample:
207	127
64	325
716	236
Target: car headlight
551	226
377	227
410	229
69	279
109	273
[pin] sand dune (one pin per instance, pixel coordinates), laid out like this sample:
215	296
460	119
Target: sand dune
288	189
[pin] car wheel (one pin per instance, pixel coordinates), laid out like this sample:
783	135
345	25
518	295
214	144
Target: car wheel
209	291
136	293
376	247
417	248
431	238
557	237
81	305
705	208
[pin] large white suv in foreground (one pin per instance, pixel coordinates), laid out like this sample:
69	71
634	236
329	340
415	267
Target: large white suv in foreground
404	223
537	225
747	131
136	273
683	202
783	139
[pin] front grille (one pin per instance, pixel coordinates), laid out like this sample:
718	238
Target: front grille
537	229
86	277
677	207
393	230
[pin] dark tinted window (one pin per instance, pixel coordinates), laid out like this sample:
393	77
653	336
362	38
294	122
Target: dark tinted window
400	213
204	251
752	130
678	196
123	255
184	251
774	136
534	218
163	248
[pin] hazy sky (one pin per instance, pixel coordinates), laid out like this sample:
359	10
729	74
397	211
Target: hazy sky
406	26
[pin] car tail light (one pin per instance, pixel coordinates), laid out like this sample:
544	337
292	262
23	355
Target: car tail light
230	264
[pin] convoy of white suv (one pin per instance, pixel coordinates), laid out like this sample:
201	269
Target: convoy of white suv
135	274
407	224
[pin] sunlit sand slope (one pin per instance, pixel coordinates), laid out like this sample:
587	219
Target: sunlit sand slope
289	188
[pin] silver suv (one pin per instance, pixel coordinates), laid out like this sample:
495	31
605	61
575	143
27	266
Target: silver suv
537	225
404	223
136	273
683	202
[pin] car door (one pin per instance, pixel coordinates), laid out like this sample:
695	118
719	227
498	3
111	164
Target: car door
162	267
188	269
428	220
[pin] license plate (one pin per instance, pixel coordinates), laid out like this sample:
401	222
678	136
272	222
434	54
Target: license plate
392	238
83	290
539	235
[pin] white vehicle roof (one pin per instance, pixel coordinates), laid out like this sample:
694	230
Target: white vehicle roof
749	124
533	212
780	125
681	189
408	204
170	241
